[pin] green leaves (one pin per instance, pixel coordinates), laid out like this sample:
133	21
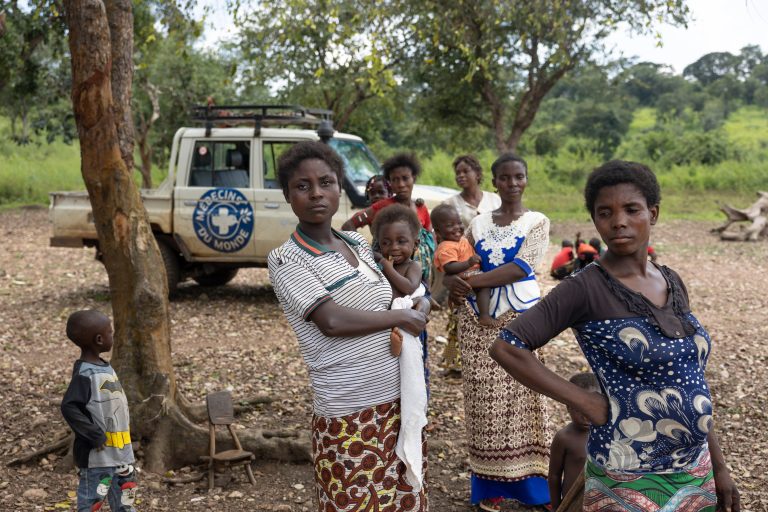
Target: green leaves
337	54
512	53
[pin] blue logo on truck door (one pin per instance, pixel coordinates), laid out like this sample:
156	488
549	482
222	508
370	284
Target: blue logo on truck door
223	219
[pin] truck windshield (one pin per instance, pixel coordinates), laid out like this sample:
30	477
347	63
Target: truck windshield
359	162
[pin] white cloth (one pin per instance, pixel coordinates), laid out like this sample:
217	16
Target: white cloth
467	211
413	399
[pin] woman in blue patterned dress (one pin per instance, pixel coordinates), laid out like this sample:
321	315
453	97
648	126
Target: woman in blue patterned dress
652	445
507	424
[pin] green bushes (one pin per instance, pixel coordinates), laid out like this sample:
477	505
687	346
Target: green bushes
666	148
724	165
30	171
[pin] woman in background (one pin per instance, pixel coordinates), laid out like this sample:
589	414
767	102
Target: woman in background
507	423
470	202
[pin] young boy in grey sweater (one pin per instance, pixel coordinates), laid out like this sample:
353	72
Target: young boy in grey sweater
96	409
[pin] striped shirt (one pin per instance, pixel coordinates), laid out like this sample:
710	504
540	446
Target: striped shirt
346	373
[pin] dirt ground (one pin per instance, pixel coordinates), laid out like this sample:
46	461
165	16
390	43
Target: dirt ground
236	337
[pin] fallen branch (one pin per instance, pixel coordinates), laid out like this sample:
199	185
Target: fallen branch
64	442
757	214
181	441
283	434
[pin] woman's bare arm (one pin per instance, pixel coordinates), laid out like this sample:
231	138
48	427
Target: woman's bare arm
459	288
727	494
528	371
500	276
335	320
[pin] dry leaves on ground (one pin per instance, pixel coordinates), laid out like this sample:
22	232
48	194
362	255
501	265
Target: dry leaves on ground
235	337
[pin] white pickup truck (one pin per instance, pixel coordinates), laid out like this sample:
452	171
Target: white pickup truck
221	207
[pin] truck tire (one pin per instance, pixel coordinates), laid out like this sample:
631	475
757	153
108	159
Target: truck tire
171	264
217	278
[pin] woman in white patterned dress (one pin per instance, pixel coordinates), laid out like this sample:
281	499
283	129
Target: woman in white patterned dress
470	202
506	423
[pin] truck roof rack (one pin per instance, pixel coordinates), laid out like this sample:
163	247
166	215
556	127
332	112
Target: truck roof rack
261	115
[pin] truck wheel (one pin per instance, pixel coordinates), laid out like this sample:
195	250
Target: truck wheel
217	278
171	263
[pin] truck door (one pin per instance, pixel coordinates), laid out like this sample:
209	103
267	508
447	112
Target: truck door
214	210
274	218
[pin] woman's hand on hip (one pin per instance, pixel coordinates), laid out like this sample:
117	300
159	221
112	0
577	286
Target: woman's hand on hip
596	408
411	321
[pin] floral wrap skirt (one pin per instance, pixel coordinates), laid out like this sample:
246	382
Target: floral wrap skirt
355	464
692	490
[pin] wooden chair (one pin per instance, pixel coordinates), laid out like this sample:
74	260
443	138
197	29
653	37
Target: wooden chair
221	412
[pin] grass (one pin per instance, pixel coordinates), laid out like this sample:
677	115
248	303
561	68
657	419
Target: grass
747	129
28	173
683	196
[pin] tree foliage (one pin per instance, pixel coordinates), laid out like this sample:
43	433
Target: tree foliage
34	71
338	54
406	75
170	76
505	57
712	67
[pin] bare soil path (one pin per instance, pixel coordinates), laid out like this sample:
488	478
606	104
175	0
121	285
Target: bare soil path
236	337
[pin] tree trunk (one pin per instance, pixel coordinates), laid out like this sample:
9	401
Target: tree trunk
138	287
497	111
120	17
145	151
24	125
360	97
540	83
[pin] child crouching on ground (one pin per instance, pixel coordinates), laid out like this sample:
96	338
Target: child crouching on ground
455	255
568	453
563	262
96	409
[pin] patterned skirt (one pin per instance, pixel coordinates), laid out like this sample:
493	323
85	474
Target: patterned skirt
687	491
507	423
355	464
451	353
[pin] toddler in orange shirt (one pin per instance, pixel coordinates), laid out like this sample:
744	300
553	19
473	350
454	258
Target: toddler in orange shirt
455	255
